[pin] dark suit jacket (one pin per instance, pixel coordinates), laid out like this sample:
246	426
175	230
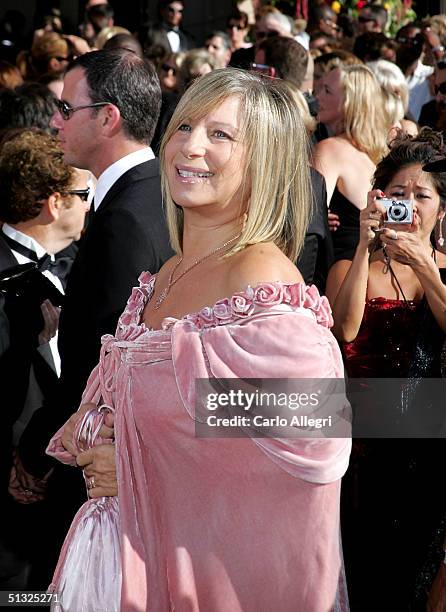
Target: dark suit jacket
16	362
429	115
157	35
316	257
126	235
4	328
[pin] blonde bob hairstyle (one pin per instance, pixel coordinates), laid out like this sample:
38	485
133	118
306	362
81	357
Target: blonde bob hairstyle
276	195
366	123
394	88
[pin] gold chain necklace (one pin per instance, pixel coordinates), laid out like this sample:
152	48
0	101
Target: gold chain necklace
171	282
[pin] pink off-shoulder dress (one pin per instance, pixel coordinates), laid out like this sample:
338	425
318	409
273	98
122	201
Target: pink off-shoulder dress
216	524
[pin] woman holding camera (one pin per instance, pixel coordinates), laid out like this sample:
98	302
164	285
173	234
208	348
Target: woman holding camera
389	307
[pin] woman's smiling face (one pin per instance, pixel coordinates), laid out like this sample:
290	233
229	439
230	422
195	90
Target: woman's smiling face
205	161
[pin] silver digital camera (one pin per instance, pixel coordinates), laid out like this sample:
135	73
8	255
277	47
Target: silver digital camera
398	211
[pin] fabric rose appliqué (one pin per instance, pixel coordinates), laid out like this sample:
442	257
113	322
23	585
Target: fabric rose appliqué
242	304
268	294
222	311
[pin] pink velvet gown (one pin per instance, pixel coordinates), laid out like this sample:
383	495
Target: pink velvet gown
206	524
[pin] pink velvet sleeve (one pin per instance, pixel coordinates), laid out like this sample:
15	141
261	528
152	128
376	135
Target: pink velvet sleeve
279	342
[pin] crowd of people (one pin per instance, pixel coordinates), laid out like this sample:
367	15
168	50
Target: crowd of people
266	203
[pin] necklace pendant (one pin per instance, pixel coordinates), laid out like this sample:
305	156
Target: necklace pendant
162	296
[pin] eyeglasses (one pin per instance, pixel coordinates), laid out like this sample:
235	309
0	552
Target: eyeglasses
440	89
269	34
167	68
237	26
410	42
66	110
82	193
171	9
263	70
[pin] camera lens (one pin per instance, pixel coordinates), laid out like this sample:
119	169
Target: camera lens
397	212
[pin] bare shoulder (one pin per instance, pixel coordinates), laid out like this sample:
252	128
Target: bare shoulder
329	151
259	263
331	145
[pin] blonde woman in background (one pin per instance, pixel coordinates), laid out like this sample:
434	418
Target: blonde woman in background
351	105
396	96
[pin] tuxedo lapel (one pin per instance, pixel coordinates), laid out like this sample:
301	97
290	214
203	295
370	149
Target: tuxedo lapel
7	259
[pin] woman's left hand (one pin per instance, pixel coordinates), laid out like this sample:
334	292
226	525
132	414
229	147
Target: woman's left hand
404	246
99	465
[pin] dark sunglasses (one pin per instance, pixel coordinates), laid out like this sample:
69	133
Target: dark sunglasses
66	110
168	68
440	89
237	26
415	41
263	70
81	193
269	34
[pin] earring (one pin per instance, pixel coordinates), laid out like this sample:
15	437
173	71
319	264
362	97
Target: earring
440	232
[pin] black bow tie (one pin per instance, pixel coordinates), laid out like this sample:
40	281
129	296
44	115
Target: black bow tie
59	267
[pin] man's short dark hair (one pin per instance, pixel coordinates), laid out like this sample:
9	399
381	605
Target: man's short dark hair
369	46
30	105
124	41
32	167
99	16
287	56
223	36
130	83
376	12
162	4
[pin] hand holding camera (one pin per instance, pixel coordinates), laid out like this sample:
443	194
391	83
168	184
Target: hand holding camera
397	211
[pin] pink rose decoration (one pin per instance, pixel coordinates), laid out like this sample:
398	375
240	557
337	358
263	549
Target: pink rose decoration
313	299
268	294
295	294
145	278
206	315
242	304
222	311
324	316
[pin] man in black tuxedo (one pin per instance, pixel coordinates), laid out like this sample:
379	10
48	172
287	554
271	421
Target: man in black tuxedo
167	32
43	203
109	109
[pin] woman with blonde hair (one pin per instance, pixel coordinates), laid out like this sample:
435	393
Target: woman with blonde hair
195	64
395	92
235	178
351	106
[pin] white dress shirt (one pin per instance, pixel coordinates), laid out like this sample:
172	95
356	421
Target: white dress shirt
109	177
418	84
174	40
